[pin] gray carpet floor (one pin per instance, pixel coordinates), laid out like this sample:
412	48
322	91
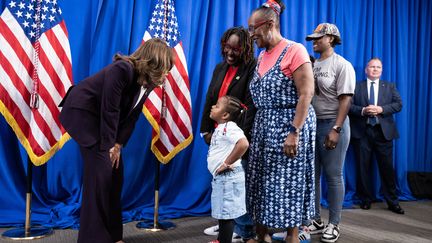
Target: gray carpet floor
358	226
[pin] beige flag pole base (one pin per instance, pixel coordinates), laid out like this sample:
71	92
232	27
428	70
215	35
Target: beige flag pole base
28	232
155	225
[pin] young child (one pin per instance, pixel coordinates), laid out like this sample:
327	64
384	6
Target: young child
228	144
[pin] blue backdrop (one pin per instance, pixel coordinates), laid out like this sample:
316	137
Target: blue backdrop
397	31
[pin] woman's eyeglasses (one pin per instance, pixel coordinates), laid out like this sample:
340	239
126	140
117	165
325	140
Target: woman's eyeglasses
228	47
252	28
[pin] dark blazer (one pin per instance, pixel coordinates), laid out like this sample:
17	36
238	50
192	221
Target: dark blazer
100	109
239	87
390	101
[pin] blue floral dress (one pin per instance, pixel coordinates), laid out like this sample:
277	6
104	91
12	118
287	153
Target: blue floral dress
279	190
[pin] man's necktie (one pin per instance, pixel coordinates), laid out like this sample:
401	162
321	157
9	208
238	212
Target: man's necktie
372	119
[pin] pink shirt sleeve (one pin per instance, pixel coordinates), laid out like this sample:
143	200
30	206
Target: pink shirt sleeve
295	56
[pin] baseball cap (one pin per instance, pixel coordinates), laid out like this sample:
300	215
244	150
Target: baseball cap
325	29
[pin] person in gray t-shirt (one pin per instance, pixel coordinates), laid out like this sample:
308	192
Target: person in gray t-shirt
335	84
335	77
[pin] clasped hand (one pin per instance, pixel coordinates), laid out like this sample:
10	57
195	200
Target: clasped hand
114	154
372	110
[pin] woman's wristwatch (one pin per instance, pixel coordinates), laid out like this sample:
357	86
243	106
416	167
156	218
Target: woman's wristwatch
293	129
337	129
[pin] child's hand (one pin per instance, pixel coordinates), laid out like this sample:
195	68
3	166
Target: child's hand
223	168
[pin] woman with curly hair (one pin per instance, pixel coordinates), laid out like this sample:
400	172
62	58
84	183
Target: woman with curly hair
232	77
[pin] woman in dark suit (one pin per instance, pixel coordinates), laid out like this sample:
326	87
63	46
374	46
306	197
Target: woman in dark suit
100	114
232	77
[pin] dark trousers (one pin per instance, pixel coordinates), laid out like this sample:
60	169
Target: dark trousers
100	216
374	143
226	229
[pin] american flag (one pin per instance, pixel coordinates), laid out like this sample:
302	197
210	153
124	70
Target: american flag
168	108
35	73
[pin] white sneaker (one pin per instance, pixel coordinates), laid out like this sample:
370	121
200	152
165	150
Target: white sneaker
331	233
303	236
315	227
236	238
213	230
279	236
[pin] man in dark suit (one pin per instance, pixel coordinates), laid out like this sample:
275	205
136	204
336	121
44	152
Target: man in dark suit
372	132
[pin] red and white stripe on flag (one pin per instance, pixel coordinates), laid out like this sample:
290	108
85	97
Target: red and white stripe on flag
168	108
34	49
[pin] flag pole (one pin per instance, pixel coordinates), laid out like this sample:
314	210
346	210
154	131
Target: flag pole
156	225
27	232
159	225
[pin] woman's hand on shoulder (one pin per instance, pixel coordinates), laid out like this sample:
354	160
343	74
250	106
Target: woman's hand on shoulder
207	138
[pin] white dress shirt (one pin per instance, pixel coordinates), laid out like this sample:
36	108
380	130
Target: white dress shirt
376	88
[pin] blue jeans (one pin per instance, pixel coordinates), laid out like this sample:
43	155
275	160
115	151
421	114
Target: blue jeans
228	194
331	162
244	225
